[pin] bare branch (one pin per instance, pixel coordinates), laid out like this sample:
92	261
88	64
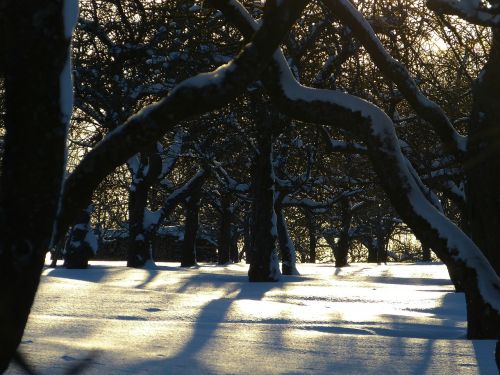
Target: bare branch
397	73
468	10
191	97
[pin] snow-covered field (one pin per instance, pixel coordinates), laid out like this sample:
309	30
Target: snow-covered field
364	319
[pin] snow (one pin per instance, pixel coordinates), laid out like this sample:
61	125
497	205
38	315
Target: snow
381	126
91	240
295	91
471	10
362	319
70	16
201	80
195	8
134	164
151	218
66	92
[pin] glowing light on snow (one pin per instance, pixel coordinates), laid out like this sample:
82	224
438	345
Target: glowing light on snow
360	319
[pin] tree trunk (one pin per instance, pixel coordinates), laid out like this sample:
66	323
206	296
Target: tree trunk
38	105
139	250
287	248
381	252
372	247
341	251
456	277
263	259
311	229
483	159
225	238
233	253
426	253
247	235
78	249
56	253
446	240
188	249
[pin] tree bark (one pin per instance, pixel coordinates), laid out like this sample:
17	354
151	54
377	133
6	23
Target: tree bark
263	258
139	251
188	249
247	235
233	252
372	250
77	250
341	251
311	230
401	184
34	156
482	164
225	237
426	253
286	246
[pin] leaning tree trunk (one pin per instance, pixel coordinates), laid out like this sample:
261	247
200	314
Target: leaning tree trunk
483	159
263	257
287	248
401	184
38	103
188	248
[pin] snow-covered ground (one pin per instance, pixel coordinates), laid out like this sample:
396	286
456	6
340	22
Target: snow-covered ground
364	319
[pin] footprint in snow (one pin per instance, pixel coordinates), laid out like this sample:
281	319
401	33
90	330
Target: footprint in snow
68	358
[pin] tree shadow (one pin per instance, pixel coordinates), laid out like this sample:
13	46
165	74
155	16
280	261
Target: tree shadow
208	322
405	280
92	274
485	354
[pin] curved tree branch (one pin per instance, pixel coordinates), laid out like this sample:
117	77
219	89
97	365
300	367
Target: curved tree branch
371	124
397	73
209	91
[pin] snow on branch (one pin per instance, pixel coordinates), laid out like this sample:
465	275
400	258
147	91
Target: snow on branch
226	180
153	219
469	10
194	96
314	205
172	154
370	123
95	29
397	73
342	146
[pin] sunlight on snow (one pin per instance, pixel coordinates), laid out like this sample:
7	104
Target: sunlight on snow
399	318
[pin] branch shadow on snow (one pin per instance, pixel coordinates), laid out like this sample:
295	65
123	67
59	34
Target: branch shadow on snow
94	274
208	323
220	280
405	280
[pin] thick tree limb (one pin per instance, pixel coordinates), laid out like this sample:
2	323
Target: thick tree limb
371	124
397	73
468	10
209	91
